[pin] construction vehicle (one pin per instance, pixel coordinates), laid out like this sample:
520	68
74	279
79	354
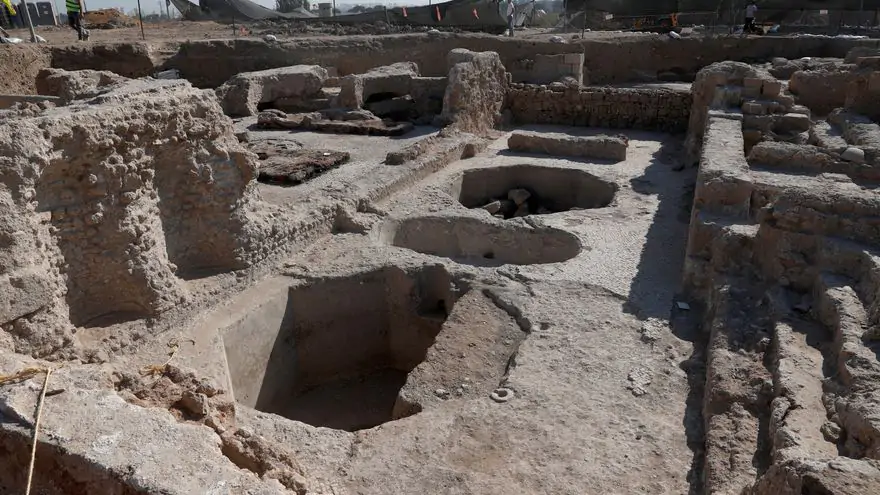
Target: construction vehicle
657	24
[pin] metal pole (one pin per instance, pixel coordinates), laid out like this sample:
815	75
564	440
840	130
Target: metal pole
861	14
141	19
57	12
584	27
27	15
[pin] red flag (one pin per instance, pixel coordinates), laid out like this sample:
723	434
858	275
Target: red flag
437	9
404	12
475	13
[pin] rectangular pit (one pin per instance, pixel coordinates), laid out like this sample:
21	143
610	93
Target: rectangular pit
335	352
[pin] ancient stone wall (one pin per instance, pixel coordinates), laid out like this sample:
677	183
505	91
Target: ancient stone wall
643	108
776	240
863	89
821	90
475	91
546	69
121	195
605	62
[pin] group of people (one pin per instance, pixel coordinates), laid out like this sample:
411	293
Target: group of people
74	16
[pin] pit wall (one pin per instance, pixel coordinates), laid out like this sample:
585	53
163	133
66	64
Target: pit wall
20	64
605	62
546	69
664	110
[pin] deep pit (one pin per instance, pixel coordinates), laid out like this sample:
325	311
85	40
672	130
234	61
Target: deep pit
481	242
336	352
521	190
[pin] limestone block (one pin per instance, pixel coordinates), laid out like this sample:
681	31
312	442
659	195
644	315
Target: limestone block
427	93
24	292
475	92
73	85
793	122
394	79
863	93
241	94
601	147
753	108
821	91
771	88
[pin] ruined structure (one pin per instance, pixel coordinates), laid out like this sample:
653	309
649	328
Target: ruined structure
443	269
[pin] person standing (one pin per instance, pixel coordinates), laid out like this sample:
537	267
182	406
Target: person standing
511	15
14	21
74	17
749	25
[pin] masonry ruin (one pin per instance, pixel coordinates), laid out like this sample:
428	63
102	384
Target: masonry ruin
442	263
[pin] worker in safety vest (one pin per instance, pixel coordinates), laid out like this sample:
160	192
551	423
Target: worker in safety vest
74	18
13	15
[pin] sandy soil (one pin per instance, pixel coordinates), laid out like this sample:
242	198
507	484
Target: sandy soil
186	30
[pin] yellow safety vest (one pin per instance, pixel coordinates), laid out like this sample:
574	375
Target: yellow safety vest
9	7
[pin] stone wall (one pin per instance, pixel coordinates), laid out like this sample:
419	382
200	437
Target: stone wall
546	69
621	60
475	91
635	108
112	200
863	89
821	90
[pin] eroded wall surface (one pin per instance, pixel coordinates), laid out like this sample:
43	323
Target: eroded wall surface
122	195
642	108
782	252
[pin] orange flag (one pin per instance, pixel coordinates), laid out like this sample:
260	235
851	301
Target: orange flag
475	13
437	9
404	12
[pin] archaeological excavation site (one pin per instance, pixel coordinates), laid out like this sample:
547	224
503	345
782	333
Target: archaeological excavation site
441	263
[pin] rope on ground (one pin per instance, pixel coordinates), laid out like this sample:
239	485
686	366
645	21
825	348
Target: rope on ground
30	476
159	369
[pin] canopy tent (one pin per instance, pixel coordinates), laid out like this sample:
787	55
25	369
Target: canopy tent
660	7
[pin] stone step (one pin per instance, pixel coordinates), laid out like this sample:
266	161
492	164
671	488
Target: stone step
810	160
817	205
717	244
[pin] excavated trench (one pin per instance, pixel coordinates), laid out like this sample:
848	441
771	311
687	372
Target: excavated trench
521	190
481	242
336	352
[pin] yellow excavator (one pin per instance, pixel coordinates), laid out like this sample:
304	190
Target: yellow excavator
657	23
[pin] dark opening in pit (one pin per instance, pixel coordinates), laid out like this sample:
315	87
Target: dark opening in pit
521	190
336	353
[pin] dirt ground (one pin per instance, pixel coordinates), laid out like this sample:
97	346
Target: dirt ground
187	30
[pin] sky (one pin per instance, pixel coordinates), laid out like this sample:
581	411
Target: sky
151	6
